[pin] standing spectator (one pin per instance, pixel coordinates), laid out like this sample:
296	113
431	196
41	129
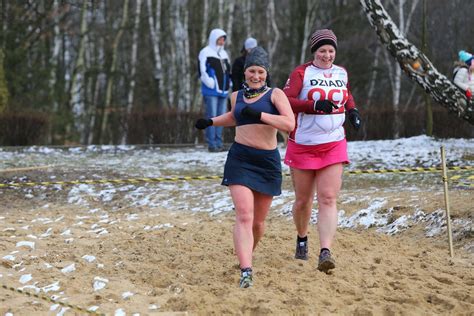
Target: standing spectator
214	71
319	95
463	74
238	65
253	167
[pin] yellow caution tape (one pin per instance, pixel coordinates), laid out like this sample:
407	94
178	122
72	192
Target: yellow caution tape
188	178
50	300
105	181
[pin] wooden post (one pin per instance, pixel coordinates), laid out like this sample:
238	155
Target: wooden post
446	200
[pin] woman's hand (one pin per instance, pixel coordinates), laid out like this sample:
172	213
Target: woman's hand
248	112
354	118
203	123
325	106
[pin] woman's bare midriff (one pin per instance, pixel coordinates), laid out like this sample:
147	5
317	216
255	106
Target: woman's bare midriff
258	136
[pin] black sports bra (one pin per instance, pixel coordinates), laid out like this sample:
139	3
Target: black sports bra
264	104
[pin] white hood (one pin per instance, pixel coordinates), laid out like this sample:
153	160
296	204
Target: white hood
213	36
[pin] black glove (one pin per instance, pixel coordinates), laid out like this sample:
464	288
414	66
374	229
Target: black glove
248	112
324	105
203	123
354	118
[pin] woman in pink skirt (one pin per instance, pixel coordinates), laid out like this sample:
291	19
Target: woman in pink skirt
319	95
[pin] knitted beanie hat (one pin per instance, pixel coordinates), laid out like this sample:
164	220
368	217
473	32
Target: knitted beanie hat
323	37
257	57
250	43
465	57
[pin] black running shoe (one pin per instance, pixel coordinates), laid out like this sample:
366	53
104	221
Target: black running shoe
301	250
326	262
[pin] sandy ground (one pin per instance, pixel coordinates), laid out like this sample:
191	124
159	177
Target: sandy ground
155	261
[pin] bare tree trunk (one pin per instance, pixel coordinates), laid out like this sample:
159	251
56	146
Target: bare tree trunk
205	22
100	82
248	17
308	22
77	99
133	69
187	61
230	23
170	58
181	84
54	65
276	33
113	67
220	14
94	55
197	97
155	32
373	77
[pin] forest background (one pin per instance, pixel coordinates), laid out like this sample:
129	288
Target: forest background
125	71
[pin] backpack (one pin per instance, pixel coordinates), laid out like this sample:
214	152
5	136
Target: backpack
455	72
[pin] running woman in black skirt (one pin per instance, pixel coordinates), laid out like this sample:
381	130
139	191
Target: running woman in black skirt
253	167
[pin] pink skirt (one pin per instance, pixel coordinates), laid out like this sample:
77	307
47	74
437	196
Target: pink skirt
314	157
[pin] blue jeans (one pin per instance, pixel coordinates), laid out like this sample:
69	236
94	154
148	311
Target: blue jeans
215	106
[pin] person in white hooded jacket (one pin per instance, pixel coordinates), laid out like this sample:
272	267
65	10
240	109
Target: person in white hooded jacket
214	72
463	74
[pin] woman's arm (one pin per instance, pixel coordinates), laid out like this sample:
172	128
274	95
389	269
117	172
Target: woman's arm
292	89
285	120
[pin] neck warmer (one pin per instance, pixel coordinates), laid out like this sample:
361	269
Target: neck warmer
250	93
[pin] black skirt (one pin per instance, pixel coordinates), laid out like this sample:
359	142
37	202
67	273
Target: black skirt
256	169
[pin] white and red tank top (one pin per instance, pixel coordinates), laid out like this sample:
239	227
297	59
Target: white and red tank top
308	83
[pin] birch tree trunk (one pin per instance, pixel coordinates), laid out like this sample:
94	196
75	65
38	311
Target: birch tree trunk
133	69
272	26
54	65
182	83
97	81
170	58
248	17
230	23
155	32
77	101
55	54
205	23
100	83
187	62
220	14
113	67
312	7
373	76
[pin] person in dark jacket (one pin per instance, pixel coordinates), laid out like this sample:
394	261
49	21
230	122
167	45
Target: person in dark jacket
237	73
